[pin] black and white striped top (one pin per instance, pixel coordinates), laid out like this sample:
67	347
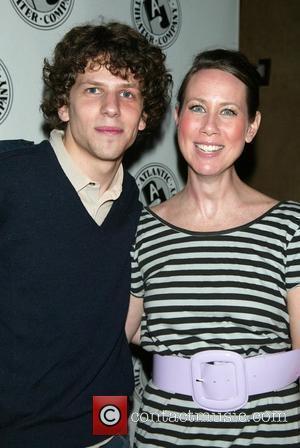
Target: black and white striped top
218	290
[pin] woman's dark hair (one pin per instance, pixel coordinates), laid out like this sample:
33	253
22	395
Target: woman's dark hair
121	50
230	61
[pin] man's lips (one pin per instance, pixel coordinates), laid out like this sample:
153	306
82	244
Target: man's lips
109	130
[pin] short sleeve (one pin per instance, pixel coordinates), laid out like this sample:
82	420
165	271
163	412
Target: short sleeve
293	261
137	280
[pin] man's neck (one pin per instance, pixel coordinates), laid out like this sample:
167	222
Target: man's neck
98	171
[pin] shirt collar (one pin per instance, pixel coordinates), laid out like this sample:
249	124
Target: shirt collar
78	179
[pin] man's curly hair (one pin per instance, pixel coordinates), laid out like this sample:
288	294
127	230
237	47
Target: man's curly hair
121	50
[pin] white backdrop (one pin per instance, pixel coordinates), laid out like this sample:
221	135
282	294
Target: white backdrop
31	28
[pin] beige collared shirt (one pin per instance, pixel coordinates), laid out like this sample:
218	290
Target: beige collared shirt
98	205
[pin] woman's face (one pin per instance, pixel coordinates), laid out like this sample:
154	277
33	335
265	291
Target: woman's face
213	123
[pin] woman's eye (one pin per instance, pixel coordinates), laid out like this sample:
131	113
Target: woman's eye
228	112
197	108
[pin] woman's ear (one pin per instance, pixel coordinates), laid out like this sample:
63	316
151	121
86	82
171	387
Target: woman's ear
253	128
176	115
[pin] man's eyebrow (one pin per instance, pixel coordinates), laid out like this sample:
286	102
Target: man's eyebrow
125	83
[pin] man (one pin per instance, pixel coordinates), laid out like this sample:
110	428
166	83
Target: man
68	215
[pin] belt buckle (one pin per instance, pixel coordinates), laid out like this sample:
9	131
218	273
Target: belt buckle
225	356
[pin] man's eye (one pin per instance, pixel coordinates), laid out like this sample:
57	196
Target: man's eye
93	90
126	94
228	112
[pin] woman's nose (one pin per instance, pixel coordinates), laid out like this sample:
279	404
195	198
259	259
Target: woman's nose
210	124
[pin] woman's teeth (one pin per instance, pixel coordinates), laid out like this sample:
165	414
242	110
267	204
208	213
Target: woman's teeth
208	148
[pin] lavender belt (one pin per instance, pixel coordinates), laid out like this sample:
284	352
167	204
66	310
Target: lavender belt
221	380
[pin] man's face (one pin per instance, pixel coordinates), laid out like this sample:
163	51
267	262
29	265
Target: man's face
104	115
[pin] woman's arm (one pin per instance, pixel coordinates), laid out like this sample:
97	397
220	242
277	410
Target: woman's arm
293	302
133	321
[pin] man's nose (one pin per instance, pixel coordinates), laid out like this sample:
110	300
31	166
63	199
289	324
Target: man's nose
110	104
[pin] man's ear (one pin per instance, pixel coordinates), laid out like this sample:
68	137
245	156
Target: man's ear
63	113
253	128
143	122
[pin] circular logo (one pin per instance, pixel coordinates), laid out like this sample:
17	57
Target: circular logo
158	20
6	92
43	14
110	415
156	183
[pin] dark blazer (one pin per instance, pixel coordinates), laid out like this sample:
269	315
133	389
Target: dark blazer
6	145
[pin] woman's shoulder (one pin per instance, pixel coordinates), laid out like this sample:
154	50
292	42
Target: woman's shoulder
290	209
164	209
261	204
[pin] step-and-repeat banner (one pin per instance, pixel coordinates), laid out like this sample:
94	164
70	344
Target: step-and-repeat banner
31	28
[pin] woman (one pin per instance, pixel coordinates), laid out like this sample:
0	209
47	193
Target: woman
218	267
